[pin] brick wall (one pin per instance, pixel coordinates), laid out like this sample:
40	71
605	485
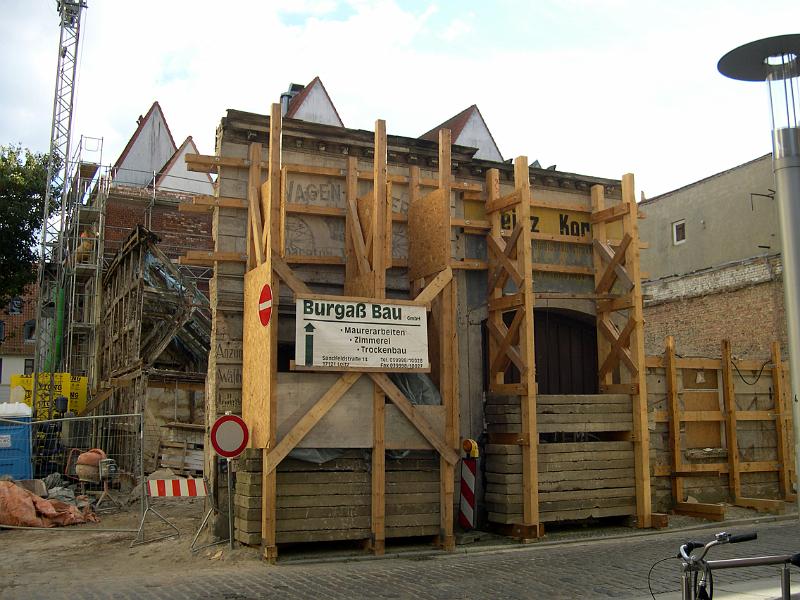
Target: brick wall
179	231
14	342
751	315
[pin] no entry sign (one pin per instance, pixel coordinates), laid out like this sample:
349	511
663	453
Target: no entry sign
265	304
229	436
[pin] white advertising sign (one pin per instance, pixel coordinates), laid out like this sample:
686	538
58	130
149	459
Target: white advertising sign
334	334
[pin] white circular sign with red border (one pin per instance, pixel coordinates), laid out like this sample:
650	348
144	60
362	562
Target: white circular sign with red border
265	304
229	436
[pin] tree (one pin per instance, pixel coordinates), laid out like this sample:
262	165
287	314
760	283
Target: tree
23	181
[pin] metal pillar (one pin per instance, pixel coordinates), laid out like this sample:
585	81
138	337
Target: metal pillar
786	165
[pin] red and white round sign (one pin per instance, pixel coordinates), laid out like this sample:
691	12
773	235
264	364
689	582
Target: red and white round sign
265	304
229	436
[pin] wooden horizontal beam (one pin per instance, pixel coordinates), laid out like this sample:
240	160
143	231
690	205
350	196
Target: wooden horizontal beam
563	239
571	269
619	388
506	302
504	202
209	257
478	225
775	507
558	205
219	201
686	363
713	512
204	163
612	213
465	264
766	466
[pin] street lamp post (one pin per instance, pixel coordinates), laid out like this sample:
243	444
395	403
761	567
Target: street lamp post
775	61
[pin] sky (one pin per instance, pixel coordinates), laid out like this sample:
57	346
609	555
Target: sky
596	87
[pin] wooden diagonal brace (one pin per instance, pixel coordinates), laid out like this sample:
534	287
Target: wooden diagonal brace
610	274
607	254
505	351
253	201
311	418
504	262
619	342
435	287
286	274
509	251
420	422
357	234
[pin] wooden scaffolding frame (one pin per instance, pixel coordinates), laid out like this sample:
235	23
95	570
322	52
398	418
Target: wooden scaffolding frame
368	251
727	415
620	324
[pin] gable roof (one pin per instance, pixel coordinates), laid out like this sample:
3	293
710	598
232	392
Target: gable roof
299	99
138	176
456	125
176	163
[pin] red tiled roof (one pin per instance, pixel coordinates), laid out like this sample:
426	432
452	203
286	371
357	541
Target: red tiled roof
297	101
454	124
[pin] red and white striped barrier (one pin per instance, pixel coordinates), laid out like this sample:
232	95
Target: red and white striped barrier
469	470
177	488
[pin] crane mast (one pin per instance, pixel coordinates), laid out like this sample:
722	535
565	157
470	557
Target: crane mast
52	243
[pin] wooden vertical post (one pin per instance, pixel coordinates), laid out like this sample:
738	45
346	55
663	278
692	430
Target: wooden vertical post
495	317
729	398
379	211
780	421
673	407
448	367
381	229
599	232
378	540
641	441
271	206
530	458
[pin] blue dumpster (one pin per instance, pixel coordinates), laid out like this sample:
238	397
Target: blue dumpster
15	446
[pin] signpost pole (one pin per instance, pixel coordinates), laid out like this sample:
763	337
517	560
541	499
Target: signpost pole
230	503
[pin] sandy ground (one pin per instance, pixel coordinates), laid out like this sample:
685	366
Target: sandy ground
31	557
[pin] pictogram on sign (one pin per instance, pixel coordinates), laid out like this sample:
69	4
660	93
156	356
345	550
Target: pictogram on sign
265	304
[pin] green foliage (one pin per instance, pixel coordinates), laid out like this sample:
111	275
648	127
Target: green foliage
23	177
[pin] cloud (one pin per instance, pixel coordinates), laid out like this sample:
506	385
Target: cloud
598	89
456	29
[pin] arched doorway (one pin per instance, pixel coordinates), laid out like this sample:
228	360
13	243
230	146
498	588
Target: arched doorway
565	344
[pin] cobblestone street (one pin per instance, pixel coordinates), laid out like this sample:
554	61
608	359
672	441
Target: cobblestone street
597	568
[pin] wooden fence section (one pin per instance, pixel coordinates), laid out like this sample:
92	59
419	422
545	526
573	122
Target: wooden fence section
591	475
720	432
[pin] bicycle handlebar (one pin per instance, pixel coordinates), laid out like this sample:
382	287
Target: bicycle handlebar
743	537
687	548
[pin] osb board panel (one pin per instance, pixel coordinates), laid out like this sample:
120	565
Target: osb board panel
256	359
349	423
428	234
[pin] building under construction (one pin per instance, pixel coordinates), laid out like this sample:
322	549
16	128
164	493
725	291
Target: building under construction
368	301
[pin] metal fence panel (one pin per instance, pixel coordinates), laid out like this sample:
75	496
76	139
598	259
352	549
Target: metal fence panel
55	445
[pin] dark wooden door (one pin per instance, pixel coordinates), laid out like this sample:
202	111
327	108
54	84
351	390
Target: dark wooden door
566	352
